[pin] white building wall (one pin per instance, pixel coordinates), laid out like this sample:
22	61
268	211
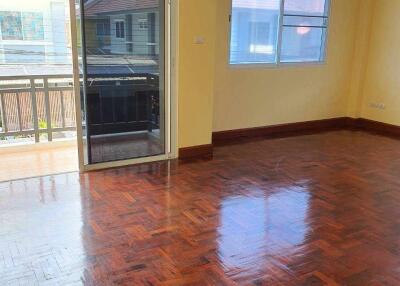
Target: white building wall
140	37
53	48
118	45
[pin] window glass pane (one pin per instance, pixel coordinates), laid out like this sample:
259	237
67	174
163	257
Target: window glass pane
304	21
306	7
123	88
302	44
254	31
304	35
33	26
117	30
122	30
11	25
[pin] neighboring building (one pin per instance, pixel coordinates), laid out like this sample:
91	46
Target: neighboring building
34	32
123	27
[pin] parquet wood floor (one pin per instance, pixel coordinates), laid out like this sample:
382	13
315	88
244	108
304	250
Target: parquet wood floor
311	210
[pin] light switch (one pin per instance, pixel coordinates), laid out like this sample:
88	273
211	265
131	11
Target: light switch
199	40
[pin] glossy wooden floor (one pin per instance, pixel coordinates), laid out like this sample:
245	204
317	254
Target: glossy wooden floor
312	210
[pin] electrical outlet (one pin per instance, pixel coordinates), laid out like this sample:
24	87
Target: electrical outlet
376	105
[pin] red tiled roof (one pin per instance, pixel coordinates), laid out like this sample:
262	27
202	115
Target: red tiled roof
96	7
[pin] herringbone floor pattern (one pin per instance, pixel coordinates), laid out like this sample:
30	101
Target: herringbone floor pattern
312	210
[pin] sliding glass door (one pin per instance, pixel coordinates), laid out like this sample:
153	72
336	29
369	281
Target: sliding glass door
122	64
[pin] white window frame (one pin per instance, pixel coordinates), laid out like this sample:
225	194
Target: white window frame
278	63
116	21
143	24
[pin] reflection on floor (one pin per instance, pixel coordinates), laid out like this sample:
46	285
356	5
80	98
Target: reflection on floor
126	146
310	210
31	161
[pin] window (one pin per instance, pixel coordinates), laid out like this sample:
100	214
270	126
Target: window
11	26
21	26
143	24
278	31
102	29
32	25
120	29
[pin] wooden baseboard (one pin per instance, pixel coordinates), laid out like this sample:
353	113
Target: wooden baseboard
308	127
283	130
291	129
376	127
202	151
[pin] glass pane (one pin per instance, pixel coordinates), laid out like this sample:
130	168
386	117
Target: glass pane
33	26
304	21
306	7
11	25
124	82
303	44
254	31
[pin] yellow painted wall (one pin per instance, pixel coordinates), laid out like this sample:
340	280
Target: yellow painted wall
251	97
382	77
362	68
360	58
196	71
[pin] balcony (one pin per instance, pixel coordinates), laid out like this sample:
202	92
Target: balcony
37	126
41	109
36	109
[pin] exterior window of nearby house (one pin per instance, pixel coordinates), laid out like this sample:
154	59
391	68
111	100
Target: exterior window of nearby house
21	26
32	25
120	29
143	24
11	26
102	29
278	31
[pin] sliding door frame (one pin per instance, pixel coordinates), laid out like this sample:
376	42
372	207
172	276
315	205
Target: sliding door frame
170	91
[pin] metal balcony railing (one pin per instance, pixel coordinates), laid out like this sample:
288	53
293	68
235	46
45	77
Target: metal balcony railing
36	105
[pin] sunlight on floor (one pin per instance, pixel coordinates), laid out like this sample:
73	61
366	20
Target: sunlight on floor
25	163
